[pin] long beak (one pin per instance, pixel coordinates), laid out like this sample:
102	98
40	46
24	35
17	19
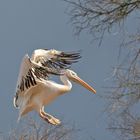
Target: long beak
83	83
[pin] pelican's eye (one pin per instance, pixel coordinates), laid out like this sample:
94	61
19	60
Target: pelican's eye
73	74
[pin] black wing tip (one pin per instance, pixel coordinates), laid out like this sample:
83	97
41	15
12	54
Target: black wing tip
73	55
73	52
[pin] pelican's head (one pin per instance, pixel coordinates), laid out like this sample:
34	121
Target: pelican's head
75	78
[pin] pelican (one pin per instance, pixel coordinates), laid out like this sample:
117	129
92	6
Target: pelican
34	90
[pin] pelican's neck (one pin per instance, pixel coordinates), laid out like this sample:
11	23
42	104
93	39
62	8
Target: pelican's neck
66	82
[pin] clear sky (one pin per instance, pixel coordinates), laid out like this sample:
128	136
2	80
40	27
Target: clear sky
26	25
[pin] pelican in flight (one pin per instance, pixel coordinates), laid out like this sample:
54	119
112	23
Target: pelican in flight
34	90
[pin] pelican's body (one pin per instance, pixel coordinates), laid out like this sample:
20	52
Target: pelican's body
34	91
43	93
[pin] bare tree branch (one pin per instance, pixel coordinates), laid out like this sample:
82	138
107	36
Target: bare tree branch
127	126
98	16
30	130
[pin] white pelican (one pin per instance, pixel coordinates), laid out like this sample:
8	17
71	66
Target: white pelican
34	90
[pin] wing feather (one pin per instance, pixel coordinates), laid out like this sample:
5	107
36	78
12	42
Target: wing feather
54	60
26	77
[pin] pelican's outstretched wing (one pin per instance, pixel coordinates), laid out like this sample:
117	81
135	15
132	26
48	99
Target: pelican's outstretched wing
26	77
54	60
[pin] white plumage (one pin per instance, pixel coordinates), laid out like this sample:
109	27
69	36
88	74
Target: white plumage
34	90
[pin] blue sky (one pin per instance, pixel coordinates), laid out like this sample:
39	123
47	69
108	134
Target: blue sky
26	25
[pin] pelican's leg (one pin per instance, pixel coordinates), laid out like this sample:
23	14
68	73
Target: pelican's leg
49	118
